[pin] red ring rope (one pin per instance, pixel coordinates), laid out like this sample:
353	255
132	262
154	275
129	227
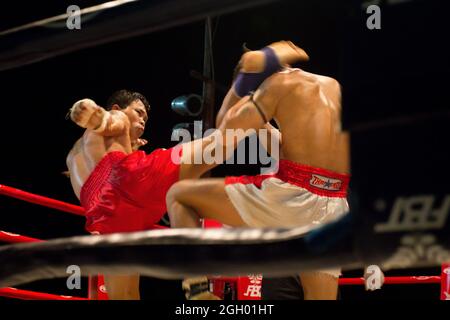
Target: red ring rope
40	200
387	280
394	280
48	202
31	295
16	238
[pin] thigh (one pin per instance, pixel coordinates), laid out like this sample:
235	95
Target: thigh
209	199
193	163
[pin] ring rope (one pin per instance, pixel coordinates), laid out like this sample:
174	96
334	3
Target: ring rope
32	295
16	238
387	280
12	238
394	280
40	200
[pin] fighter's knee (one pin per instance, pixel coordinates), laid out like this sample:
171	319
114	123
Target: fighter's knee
176	191
172	194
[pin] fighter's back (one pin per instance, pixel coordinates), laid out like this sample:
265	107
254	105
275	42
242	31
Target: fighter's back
309	117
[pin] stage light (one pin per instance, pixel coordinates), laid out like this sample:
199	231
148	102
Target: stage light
188	105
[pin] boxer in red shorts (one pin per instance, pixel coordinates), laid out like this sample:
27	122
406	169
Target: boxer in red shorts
122	189
112	179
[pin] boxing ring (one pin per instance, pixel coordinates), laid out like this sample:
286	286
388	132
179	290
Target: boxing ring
395	225
6	237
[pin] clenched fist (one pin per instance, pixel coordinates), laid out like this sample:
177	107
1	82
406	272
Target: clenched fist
87	114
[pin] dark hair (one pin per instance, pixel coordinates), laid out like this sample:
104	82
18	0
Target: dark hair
123	98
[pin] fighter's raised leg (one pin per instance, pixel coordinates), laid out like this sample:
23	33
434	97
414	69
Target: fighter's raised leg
189	202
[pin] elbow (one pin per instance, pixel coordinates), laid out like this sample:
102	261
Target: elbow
221	115
226	121
218	120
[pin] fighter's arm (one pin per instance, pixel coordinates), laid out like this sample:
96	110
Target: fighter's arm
254	112
87	114
272	133
229	101
247	114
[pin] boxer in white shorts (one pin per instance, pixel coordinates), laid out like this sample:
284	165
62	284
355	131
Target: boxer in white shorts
309	189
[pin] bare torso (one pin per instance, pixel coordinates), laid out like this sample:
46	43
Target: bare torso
87	153
309	118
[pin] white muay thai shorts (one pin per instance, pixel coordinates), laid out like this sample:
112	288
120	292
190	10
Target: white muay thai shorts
296	196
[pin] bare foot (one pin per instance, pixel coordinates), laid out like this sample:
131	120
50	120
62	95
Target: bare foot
286	52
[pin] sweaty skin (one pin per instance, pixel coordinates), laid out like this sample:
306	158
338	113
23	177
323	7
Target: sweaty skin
122	133
307	109
310	119
115	130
